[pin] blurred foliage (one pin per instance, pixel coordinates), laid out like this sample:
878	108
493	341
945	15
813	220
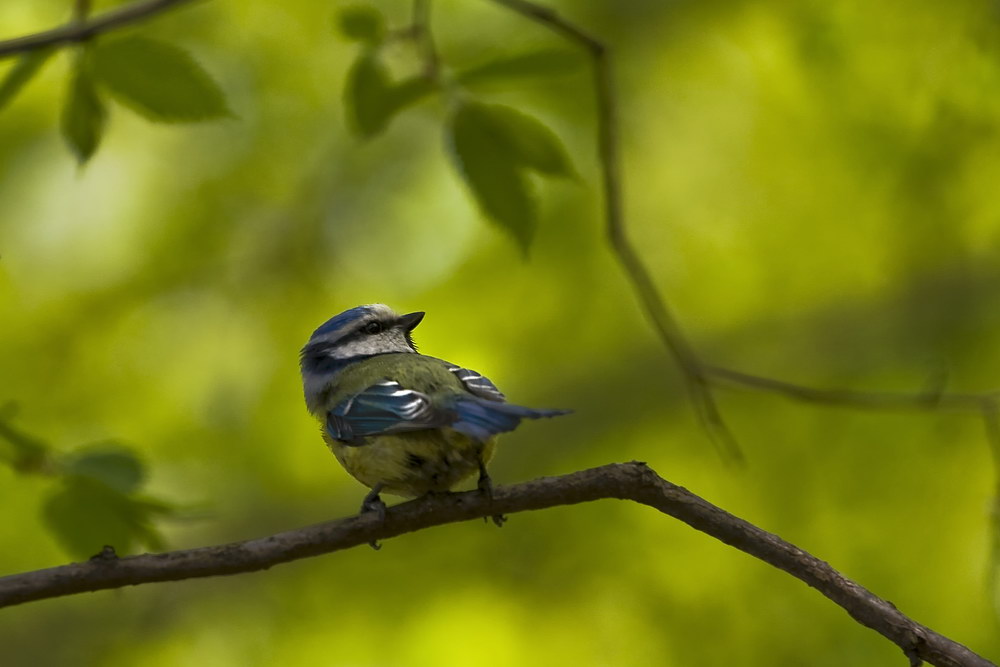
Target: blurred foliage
812	182
158	80
155	79
84	114
21	73
372	98
494	146
540	63
361	22
94	503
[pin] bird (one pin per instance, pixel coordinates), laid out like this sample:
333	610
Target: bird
400	422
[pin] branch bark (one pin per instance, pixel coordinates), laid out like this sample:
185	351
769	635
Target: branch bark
77	30
624	481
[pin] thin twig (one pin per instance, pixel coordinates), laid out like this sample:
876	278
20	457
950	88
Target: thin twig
655	306
626	481
867	400
986	405
75	31
424	35
81	10
700	377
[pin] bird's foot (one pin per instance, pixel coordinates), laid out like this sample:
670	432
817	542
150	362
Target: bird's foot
374	503
107	554
485	485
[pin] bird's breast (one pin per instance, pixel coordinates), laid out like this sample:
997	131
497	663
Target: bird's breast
414	463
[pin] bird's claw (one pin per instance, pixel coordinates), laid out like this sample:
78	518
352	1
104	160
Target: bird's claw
373	503
485	485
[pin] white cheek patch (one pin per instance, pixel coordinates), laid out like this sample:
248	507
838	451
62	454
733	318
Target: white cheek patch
392	340
354	348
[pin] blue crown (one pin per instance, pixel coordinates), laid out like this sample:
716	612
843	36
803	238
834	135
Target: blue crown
338	321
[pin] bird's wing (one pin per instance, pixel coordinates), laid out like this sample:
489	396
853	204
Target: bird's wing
482	419
384	407
387	407
476	383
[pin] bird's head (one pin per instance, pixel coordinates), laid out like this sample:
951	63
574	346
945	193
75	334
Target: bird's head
359	332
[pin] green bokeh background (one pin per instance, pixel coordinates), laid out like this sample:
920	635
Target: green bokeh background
815	187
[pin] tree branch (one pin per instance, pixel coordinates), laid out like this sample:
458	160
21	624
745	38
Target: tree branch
866	400
625	481
421	29
655	306
77	30
699	377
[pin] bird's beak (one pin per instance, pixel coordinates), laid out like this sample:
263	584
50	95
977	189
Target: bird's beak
410	321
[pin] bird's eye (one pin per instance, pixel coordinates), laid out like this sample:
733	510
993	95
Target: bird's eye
373	328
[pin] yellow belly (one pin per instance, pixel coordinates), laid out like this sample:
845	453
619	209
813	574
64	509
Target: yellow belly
415	463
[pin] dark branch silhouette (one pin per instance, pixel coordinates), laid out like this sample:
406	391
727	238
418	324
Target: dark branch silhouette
865	400
626	481
609	153
700	376
78	30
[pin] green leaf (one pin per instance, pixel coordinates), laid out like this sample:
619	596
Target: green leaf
114	465
372	99
150	510
364	95
545	63
26	67
26	453
534	144
494	146
408	92
85	515
361	23
83	115
493	171
158	80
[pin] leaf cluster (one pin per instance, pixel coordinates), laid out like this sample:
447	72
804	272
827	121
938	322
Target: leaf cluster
159	81
494	148
96	497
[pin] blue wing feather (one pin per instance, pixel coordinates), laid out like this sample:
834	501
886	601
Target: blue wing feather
385	407
481	419
476	383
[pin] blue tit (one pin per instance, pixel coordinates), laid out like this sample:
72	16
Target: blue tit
398	421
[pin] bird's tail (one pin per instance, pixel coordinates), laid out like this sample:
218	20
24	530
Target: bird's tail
481	419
